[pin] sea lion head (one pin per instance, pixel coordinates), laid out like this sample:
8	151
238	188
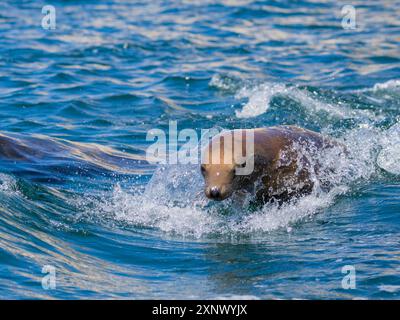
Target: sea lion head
219	181
226	161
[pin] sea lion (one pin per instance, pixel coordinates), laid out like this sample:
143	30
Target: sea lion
284	162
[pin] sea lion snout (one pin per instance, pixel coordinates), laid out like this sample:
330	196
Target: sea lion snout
214	193
217	192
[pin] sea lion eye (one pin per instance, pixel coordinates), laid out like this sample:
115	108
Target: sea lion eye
203	170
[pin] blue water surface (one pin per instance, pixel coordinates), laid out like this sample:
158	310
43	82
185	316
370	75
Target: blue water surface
113	70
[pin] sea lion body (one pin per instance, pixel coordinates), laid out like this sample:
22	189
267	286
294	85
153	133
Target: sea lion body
285	163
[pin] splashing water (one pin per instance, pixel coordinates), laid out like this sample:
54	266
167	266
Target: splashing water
389	157
174	202
7	184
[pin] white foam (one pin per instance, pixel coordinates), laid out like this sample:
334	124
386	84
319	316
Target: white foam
7	184
259	98
389	157
223	82
273	217
391	84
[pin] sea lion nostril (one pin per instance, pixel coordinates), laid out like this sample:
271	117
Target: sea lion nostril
214	192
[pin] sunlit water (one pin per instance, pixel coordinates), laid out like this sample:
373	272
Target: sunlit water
112	70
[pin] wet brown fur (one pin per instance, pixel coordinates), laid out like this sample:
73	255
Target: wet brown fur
280	171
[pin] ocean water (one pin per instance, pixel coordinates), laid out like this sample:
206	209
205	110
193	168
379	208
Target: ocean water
83	202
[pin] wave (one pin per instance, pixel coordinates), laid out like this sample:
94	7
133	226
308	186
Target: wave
173	201
44	150
388	85
259	98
